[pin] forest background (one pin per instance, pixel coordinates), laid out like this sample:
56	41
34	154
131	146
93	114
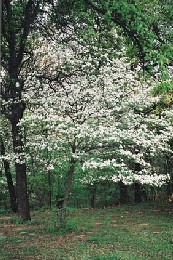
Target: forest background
86	110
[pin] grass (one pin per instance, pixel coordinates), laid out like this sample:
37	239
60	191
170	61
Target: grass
130	232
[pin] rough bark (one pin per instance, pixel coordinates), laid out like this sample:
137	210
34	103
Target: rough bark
21	191
21	177
11	187
14	113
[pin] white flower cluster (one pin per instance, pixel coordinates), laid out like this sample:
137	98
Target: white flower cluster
80	110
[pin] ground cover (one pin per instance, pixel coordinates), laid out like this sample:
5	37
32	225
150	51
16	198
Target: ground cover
129	232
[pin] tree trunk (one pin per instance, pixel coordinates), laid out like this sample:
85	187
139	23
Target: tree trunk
137	192
169	190
123	193
49	189
68	184
21	177
63	213
137	186
13	30
11	188
93	196
21	191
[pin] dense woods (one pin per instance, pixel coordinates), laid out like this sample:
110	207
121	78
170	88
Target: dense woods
86	110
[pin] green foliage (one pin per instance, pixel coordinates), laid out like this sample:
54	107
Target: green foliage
165	89
146	26
3	238
17	220
72	224
34	222
4	211
15	239
52	226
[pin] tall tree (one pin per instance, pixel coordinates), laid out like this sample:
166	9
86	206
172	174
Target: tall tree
17	20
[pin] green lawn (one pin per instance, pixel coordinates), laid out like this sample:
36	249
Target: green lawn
132	232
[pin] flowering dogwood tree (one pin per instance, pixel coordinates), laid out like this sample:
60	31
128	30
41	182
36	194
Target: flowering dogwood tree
101	116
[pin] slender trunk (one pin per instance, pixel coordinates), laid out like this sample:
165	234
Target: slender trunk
169	190
123	193
11	188
63	213
21	177
137	186
49	189
68	184
45	132
144	194
137	192
93	196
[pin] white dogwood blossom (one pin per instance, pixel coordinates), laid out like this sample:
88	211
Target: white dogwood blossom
98	113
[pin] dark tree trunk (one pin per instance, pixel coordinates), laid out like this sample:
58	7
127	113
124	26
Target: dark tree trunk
11	188
15	31
137	192
123	193
21	177
21	191
49	189
14	112
93	196
137	186
144	194
170	186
